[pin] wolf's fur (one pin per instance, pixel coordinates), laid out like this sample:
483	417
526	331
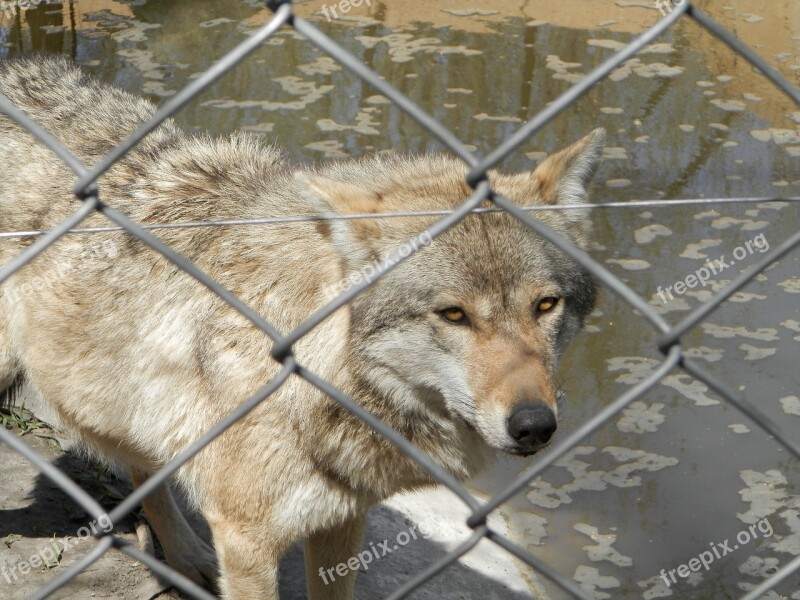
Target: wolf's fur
138	359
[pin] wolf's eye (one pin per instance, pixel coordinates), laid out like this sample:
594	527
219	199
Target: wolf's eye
454	315
546	304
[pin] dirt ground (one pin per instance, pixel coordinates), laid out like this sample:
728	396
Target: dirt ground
38	520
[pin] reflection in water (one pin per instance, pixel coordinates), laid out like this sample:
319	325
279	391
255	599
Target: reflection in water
678	469
43	29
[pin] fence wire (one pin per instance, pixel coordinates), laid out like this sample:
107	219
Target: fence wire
668	337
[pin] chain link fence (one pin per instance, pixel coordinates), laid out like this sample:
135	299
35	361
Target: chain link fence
667	337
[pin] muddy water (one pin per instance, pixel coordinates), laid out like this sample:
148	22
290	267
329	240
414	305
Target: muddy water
679	472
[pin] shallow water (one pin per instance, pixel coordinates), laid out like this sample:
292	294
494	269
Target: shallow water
687	118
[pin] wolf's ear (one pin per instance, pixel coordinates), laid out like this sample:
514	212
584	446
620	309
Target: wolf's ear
562	178
345	198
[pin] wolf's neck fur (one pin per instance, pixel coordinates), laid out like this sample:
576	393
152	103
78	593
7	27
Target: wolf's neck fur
382	469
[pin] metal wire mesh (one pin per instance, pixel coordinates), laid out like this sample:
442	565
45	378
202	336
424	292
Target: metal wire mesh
668	340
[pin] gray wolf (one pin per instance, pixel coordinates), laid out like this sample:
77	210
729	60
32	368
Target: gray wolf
456	348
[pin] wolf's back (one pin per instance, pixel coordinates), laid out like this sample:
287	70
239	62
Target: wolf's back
168	173
85	116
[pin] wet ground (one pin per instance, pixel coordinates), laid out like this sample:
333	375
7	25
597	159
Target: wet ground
679	472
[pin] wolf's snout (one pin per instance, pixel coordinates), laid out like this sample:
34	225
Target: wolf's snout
531	425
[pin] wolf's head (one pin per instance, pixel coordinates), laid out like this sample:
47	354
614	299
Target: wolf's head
469	329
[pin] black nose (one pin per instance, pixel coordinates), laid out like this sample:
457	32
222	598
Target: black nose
532	425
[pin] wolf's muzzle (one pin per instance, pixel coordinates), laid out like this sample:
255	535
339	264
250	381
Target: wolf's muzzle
531	426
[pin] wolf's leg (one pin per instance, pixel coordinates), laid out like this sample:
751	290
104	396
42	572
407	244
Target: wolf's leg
248	559
8	362
327	549
185	552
